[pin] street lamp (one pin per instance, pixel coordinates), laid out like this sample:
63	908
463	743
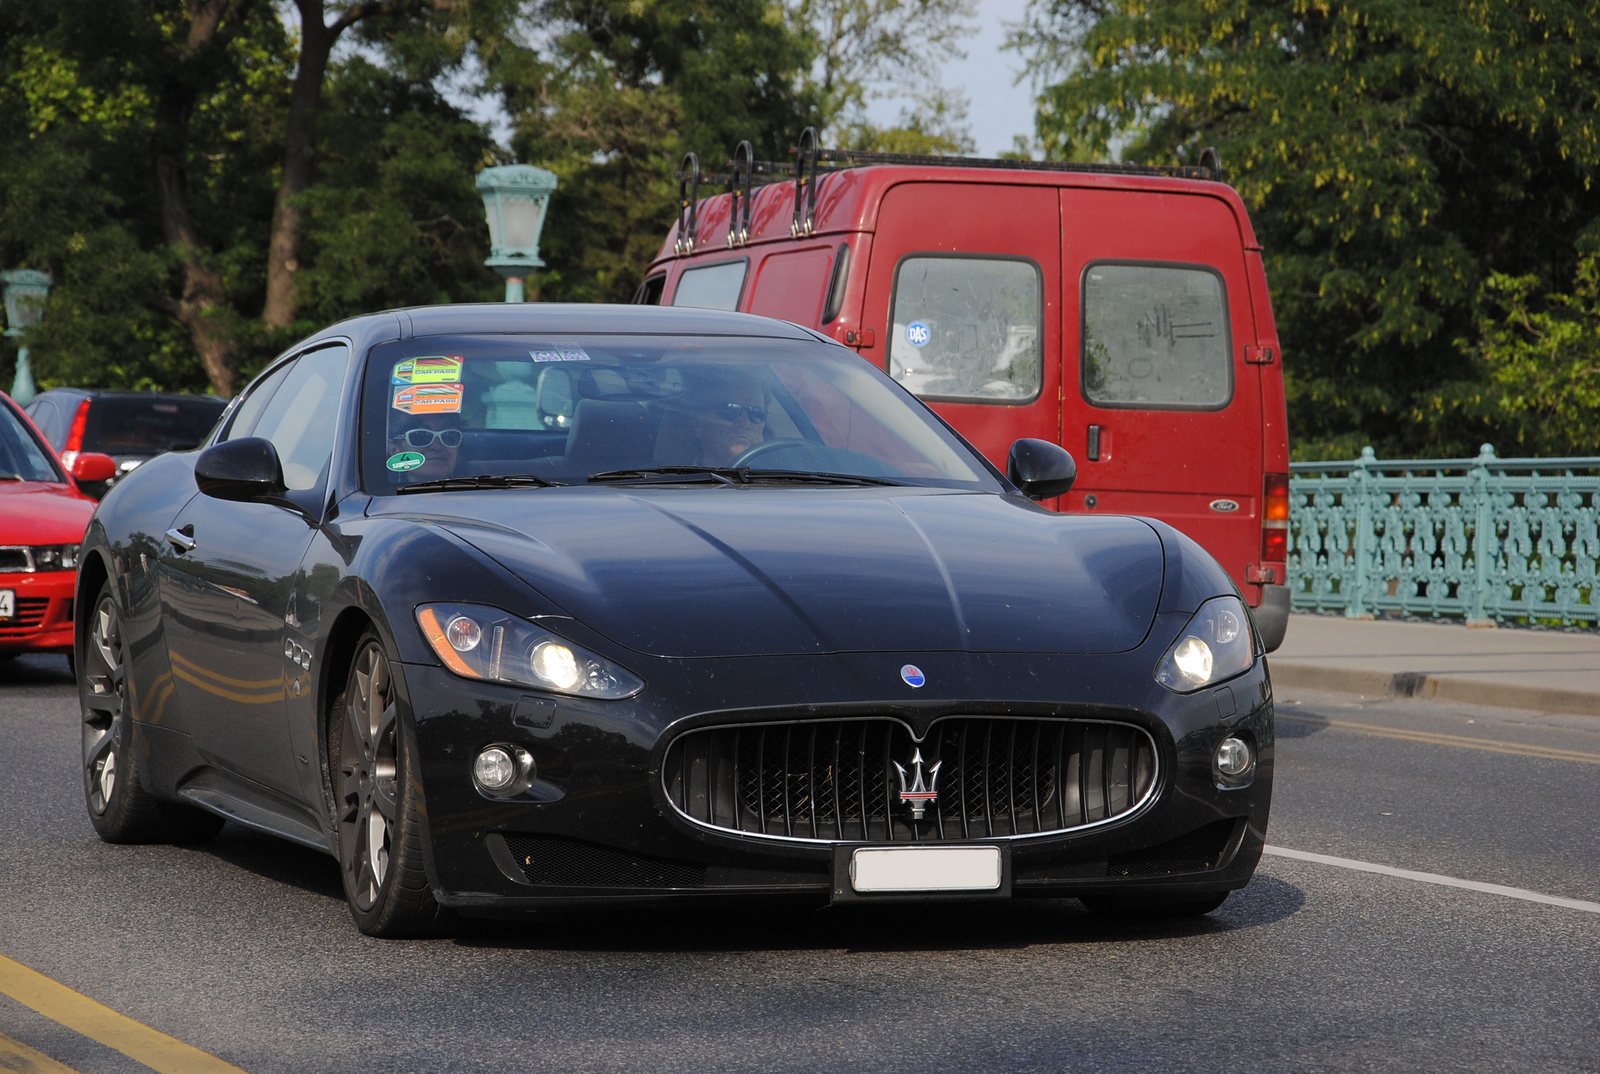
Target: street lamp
514	199
25	291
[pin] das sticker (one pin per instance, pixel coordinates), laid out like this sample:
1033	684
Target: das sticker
406	460
559	354
439	369
428	399
918	334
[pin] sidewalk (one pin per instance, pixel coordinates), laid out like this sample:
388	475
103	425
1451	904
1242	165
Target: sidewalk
1548	670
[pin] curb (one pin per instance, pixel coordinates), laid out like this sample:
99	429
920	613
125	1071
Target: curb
1421	684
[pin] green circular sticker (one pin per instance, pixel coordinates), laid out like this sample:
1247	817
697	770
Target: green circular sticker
406	460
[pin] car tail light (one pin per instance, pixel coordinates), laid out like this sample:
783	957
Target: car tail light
1275	519
75	437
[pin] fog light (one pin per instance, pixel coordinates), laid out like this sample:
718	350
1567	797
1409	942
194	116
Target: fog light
495	769
1233	757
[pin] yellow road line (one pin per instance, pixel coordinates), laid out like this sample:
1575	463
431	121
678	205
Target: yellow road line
137	1041
17	1057
1488	745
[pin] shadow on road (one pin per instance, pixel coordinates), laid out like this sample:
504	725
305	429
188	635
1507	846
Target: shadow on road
30	669
1299	723
996	926
276	860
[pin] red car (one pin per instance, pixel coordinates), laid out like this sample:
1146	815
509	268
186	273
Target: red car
42	519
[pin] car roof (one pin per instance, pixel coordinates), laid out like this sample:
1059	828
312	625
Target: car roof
557	318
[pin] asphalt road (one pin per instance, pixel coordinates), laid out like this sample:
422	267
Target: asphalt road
243	947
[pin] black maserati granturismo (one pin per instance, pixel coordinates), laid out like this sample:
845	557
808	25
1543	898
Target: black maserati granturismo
515	607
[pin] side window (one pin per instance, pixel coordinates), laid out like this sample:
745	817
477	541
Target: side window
790	286
1156	336
254	402
714	287
44	416
649	292
967	328
300	418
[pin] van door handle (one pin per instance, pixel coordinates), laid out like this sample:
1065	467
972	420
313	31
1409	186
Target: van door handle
1094	443
182	540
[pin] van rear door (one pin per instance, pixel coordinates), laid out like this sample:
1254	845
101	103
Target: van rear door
1160	408
970	275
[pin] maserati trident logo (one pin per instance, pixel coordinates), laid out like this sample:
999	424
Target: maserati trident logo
920	795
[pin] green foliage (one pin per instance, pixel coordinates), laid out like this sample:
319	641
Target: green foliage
1394	154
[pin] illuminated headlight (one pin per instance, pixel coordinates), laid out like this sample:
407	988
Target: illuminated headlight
55	557
479	642
1216	645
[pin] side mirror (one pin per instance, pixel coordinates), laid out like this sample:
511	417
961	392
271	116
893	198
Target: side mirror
244	470
93	466
1040	469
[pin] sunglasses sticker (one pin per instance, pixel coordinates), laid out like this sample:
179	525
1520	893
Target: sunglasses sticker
405	460
559	354
428	399
439	369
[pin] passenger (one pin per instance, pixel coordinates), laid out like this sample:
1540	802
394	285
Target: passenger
730	419
435	437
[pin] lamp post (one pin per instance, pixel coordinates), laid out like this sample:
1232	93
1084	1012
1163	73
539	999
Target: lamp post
25	291
514	199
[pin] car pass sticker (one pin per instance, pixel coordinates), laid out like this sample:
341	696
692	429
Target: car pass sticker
918	334
439	369
405	460
428	399
559	354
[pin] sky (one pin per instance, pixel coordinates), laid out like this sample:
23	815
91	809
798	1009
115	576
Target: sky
999	108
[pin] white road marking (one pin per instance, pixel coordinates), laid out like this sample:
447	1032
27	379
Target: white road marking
1435	878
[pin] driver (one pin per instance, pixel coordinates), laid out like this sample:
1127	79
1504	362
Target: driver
731	418
436	437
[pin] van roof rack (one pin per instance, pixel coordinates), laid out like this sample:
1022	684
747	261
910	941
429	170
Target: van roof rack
811	161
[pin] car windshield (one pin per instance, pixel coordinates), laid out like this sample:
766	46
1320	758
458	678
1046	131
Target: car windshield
131	425
660	409
20	454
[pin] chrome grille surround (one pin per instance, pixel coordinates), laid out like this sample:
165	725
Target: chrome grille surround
834	780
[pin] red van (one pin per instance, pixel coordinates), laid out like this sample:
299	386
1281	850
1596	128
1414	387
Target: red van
1119	311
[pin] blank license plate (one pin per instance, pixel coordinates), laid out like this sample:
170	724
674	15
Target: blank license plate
8	603
925	869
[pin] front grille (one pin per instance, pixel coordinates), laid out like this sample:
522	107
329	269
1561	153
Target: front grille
547	859
1195	852
29	614
838	780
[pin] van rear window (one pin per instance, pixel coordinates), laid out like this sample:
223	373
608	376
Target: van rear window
1156	336
714	287
967	328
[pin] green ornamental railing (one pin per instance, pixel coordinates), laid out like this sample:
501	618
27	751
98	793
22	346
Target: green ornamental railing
1484	539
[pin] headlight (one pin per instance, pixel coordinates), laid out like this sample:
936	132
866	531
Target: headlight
1215	645
479	642
55	557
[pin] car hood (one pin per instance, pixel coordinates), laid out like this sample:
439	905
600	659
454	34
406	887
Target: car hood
745	572
39	512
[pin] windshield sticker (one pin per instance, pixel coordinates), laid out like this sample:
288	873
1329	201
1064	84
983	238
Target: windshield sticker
439	369
406	460
559	354
918	334
429	399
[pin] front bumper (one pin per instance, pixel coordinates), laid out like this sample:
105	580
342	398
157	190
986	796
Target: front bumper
598	808
43	617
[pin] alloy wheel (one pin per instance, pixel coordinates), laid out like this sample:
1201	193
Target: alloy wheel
368	776
105	696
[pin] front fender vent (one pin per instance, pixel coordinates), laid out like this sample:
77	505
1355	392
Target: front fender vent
841	780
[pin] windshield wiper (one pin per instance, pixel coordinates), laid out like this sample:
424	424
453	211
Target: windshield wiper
482	481
6	475
725	475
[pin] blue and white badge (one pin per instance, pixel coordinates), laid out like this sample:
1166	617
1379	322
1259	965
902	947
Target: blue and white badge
918	335
913	675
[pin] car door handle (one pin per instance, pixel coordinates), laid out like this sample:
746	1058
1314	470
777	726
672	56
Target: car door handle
181	540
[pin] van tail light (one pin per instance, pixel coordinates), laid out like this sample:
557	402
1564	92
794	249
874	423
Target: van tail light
75	437
1275	519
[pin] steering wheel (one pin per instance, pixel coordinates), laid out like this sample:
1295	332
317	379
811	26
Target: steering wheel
767	447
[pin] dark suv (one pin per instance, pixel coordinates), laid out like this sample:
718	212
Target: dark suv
131	427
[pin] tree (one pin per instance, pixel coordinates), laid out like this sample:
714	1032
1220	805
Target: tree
1392	152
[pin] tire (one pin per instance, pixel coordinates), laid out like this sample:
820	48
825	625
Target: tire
378	803
120	809
1151	909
